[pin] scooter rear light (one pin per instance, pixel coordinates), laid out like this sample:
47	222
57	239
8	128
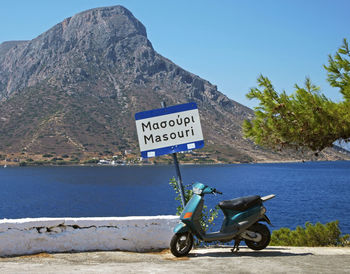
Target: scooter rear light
188	215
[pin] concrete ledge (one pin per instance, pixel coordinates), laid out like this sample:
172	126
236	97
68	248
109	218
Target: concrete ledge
34	235
203	260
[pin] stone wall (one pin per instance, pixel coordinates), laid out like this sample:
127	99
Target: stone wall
34	235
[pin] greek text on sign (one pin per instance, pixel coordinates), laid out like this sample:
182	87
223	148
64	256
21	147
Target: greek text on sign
169	130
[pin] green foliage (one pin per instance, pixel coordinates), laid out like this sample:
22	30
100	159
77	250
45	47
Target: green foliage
74	159
47	155
55	159
339	70
208	215
38	163
91	161
312	235
306	118
61	162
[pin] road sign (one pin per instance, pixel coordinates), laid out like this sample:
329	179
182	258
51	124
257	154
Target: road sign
169	130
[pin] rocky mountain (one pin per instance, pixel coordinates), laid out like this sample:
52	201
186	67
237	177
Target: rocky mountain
76	87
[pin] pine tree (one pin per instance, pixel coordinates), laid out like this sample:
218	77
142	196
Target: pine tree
306	118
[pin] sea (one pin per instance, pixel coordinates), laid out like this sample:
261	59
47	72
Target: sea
305	192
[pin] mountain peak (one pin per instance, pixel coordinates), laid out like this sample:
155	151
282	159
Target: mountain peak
115	21
89	37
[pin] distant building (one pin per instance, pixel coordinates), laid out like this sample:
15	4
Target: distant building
104	162
127	151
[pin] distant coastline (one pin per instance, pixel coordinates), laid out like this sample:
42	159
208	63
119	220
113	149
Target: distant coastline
50	164
205	156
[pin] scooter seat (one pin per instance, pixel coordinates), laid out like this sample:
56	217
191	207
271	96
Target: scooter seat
242	203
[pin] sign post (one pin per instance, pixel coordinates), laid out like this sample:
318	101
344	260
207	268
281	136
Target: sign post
169	130
178	173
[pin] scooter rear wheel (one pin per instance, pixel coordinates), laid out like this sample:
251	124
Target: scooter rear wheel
265	237
181	244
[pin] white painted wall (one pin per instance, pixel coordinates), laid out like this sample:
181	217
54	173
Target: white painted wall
33	235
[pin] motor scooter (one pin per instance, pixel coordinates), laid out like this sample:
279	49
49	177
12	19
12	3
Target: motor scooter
242	217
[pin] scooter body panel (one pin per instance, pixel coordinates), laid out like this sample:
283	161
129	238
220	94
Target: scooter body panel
180	228
191	215
191	207
240	220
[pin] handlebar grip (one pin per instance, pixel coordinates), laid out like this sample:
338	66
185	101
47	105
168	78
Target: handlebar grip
218	192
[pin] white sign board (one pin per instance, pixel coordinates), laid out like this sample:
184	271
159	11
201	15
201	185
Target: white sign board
169	130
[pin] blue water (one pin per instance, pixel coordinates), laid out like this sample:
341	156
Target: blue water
318	191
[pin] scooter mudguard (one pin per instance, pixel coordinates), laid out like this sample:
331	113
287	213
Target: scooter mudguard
265	219
180	228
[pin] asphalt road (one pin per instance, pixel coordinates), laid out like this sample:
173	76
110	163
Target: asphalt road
206	260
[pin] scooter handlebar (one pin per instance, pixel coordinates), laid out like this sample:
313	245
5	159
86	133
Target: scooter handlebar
216	191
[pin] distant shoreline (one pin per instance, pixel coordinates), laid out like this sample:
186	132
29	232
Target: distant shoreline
8	165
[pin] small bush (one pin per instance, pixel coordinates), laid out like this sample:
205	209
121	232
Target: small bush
39	163
91	161
61	163
55	159
208	215
312	235
75	159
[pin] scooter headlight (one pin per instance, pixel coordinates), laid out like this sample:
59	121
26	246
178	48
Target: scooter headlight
263	210
197	191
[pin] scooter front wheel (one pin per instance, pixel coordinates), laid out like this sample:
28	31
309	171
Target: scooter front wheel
181	244
265	237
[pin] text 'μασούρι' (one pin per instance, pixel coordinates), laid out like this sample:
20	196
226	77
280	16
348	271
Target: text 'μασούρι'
170	123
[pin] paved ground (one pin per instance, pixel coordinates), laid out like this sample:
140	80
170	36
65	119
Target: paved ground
210	260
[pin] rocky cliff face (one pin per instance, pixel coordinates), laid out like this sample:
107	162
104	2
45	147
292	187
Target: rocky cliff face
77	86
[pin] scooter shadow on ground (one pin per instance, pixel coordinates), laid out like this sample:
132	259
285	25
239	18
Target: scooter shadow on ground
280	252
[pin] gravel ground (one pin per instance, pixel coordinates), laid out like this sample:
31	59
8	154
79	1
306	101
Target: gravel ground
203	260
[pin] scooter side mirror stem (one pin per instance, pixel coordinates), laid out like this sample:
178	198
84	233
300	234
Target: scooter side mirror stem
216	191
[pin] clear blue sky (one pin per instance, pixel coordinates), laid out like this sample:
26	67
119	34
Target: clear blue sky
226	42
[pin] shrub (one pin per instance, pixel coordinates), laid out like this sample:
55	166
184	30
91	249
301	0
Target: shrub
207	217
328	234
91	161
39	163
55	159
61	162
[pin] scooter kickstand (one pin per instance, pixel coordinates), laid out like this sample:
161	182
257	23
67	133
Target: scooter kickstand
235	248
